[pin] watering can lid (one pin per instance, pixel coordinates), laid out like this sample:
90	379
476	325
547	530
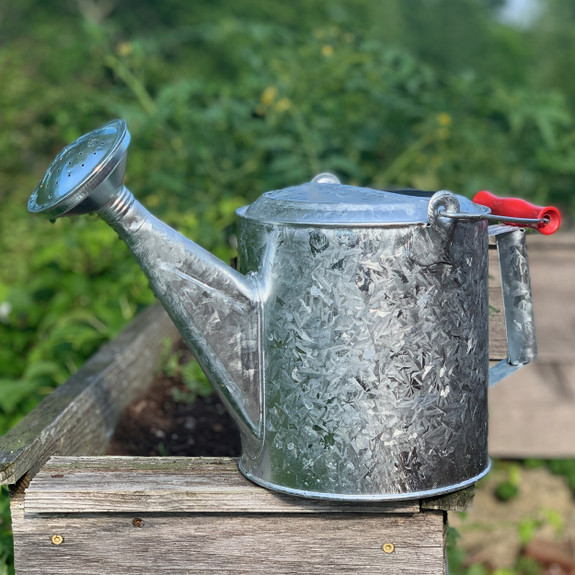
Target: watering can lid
325	201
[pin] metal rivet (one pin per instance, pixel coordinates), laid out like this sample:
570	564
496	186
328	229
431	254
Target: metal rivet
388	547
57	539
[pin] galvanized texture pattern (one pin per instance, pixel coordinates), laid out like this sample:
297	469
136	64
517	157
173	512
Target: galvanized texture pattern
376	358
517	301
215	308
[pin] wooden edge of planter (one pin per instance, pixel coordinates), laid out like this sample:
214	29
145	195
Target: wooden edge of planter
122	484
117	484
80	416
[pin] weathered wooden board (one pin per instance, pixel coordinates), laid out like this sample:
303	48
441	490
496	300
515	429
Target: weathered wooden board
532	413
552	264
208	544
80	416
168	485
265	533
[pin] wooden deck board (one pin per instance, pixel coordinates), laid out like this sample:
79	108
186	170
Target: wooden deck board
169	485
532	413
192	515
231	545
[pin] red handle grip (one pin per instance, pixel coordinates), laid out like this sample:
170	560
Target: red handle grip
516	208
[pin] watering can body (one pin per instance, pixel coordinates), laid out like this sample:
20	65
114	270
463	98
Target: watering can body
375	359
351	345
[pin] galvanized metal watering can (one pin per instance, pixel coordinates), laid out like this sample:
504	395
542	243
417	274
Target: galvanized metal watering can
351	347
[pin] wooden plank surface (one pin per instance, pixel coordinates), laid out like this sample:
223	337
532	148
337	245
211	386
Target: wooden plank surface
532	412
80	416
128	515
169	485
182	544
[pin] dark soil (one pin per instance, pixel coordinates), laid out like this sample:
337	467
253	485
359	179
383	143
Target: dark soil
157	424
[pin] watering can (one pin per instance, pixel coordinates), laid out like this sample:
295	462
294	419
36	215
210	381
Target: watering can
351	345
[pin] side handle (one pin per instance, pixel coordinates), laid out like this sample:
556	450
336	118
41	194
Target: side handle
517	302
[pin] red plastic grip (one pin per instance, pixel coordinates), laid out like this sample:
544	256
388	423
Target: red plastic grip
516	208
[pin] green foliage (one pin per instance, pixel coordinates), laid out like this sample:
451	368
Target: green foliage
533	463
527	566
509	488
524	565
565	468
506	491
77	290
195	383
456	557
188	373
527	529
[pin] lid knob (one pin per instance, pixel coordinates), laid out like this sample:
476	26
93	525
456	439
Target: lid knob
326	178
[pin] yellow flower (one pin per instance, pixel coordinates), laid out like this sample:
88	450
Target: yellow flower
124	48
283	105
268	95
444	119
327	50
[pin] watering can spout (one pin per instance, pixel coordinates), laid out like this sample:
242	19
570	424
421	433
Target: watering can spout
215	308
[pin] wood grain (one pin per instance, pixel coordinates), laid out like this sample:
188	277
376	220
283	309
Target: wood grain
183	544
169	485
80	416
132	515
532	412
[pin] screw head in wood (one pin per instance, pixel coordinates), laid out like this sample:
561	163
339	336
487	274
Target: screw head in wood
388	547
57	539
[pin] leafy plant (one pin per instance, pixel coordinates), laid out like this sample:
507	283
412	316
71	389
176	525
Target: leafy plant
195	384
509	488
565	468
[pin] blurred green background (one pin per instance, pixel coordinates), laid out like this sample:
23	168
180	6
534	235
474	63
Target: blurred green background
226	100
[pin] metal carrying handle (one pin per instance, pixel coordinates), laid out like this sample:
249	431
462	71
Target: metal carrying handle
512	211
517	302
545	219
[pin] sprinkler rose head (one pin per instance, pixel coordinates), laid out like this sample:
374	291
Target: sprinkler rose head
85	175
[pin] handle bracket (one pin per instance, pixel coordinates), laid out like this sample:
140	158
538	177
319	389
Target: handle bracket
517	302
